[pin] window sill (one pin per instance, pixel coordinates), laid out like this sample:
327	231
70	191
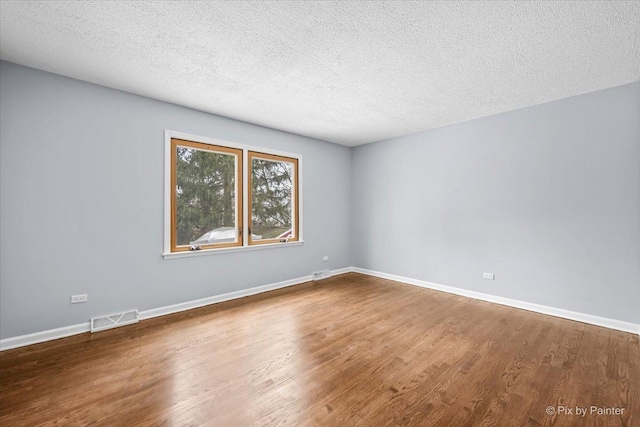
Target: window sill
187	254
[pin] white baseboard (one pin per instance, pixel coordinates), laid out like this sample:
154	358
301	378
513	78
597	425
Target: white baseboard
38	337
341	271
53	334
552	311
176	308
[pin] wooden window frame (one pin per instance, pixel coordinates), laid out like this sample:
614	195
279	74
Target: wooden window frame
295	202
175	143
171	250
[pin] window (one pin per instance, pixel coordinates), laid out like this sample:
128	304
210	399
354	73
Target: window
206	204
272	204
215	190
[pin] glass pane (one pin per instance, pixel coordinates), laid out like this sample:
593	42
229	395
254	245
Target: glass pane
205	197
271	199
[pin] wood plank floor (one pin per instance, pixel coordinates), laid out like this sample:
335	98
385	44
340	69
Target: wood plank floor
350	350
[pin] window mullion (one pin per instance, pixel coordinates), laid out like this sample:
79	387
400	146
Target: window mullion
245	197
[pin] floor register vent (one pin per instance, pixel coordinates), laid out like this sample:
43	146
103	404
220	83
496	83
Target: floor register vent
114	320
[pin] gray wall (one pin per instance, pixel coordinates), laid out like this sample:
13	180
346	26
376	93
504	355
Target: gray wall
82	204
547	198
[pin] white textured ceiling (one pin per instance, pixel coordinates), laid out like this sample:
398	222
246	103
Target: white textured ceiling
347	72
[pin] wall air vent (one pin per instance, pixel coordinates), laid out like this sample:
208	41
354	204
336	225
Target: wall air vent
319	275
114	320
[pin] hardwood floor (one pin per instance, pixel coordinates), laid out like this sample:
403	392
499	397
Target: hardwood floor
350	350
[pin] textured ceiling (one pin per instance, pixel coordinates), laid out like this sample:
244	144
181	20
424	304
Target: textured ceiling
347	72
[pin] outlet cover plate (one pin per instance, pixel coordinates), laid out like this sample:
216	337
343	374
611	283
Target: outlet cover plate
75	299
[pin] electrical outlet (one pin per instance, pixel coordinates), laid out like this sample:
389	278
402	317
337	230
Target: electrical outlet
489	276
325	258
75	299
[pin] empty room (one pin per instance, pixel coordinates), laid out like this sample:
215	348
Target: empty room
320	213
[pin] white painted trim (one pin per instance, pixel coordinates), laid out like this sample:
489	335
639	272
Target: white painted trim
176	308
66	331
341	271
212	141
52	334
167	192
168	134
38	337
552	311
187	254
